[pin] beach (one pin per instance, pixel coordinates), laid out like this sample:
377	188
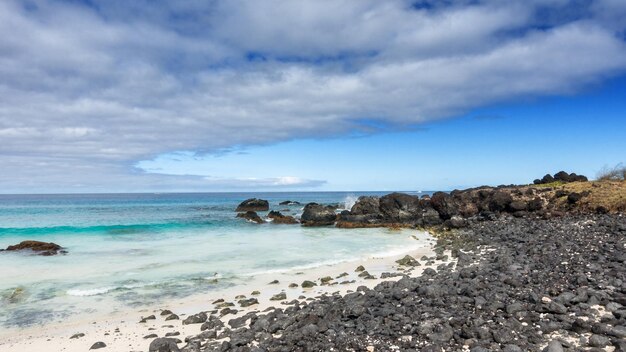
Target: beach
121	330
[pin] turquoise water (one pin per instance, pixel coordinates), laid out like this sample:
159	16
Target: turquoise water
140	249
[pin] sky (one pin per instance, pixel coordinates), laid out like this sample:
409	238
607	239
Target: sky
310	95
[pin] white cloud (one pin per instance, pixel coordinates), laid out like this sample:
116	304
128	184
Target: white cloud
107	87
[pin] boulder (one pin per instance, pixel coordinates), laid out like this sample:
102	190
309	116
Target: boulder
251	216
366	205
253	204
278	218
444	204
400	207
574	197
517	205
195	319
456	222
318	215
40	248
163	344
500	200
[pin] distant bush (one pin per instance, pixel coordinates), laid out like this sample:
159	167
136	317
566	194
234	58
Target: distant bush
616	173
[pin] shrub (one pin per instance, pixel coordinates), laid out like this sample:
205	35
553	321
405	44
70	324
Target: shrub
616	173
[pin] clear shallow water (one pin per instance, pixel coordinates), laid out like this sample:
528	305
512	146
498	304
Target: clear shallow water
141	248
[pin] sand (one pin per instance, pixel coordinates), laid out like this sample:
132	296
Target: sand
121	331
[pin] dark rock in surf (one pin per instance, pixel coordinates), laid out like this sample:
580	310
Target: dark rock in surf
318	215
253	204
278	218
251	216
39	248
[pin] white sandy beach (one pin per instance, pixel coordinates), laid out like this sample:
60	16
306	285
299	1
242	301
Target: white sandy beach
121	331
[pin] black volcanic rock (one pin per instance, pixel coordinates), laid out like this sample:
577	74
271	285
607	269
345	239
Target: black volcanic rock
253	204
318	215
251	216
39	248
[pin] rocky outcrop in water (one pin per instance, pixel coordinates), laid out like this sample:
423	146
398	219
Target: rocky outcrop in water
251	216
278	218
39	248
455	209
318	215
253	204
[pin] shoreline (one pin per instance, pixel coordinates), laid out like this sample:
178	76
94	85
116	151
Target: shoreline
121	331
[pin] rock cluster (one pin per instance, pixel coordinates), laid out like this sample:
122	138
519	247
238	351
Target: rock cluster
518	285
561	176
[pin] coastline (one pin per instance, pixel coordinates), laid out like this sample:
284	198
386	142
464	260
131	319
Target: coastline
121	331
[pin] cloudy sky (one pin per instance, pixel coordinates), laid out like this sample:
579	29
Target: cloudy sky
198	95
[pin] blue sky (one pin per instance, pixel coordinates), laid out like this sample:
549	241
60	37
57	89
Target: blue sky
118	96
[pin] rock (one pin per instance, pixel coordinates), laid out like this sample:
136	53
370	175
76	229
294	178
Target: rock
253	204
500	200
40	248
77	336
279	297
318	215
325	280
293	285
98	345
195	319
166	312
554	346
400	208
274	282
308	284
289	202
444	204
151	336
517	205
172	317
175	333
366	205
251	216
456	222
598	341
573	197
408	261
359	268
163	344
248	302
278	218
255	293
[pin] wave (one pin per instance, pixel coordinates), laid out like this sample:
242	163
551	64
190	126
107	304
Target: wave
109	229
349	201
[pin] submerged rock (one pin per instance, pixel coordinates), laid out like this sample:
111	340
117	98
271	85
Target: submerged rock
253	204
289	202
40	248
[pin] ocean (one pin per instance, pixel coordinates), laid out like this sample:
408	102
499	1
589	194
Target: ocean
130	250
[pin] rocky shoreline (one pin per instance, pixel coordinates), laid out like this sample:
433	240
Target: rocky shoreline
518	284
538	268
